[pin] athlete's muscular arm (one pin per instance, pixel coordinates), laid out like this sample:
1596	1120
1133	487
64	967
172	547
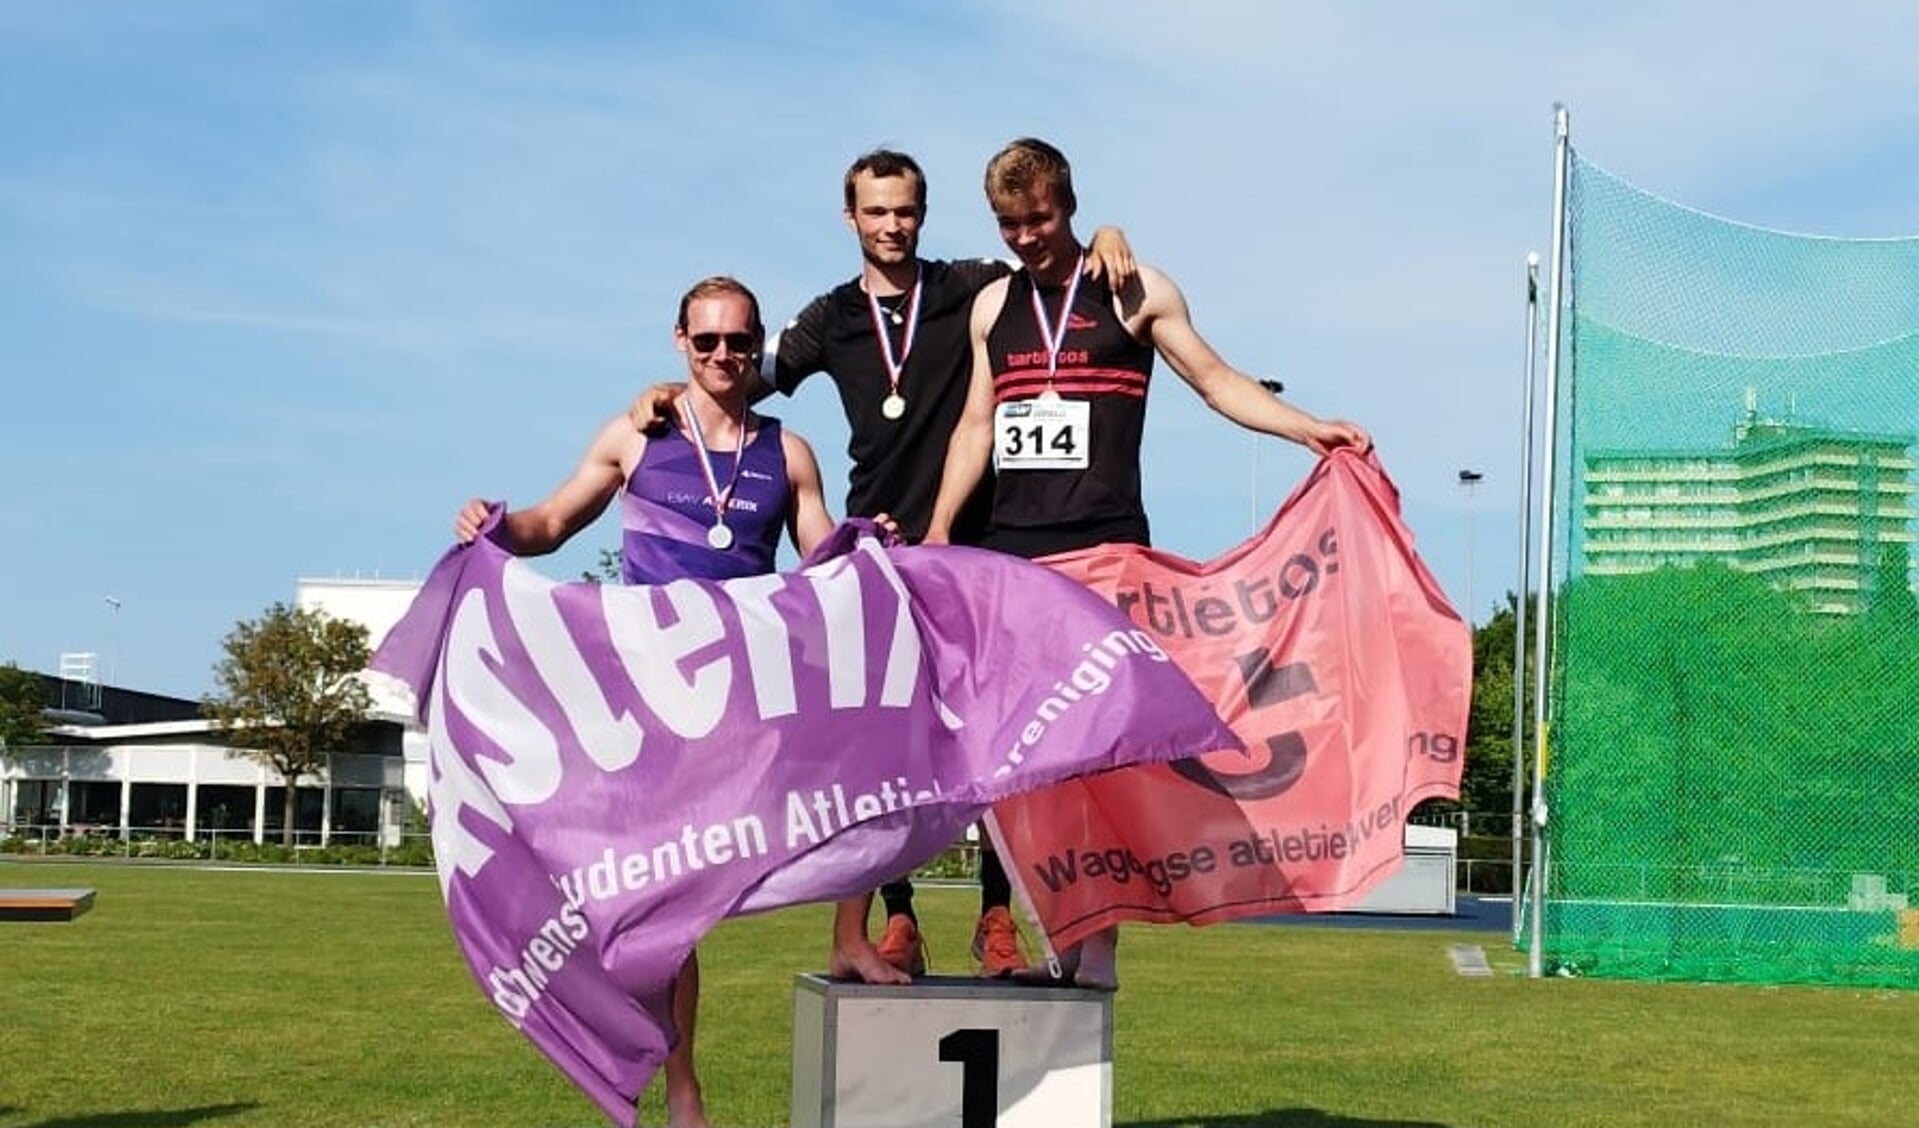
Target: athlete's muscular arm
971	446
540	528
795	352
807	520
1159	314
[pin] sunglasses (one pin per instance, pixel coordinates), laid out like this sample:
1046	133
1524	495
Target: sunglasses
736	342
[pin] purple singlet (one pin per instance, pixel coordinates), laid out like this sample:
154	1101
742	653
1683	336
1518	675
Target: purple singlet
667	509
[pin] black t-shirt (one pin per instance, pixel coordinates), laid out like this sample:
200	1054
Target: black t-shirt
896	462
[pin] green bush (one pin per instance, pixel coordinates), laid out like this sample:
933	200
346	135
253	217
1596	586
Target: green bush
955	862
244	851
1482	847
178	849
87	846
411	852
1491	868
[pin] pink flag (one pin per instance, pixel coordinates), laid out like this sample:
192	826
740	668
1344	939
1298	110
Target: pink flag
1328	647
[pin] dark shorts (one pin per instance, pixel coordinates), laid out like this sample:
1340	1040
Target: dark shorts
1066	537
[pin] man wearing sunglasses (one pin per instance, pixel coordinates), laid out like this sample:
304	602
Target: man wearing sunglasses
894	342
706	498
1056	402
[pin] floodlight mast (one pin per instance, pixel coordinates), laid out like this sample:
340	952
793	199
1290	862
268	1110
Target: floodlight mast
1526	395
1562	154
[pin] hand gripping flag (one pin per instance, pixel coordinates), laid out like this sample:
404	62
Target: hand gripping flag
616	769
1331	651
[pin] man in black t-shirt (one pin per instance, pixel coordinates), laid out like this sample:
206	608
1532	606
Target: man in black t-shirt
896	461
894	340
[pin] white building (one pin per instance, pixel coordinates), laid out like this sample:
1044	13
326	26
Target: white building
127	763
1822	512
377	605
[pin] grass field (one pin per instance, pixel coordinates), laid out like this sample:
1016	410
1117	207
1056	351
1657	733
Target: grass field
241	999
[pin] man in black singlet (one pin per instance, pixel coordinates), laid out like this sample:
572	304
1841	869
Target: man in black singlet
1057	398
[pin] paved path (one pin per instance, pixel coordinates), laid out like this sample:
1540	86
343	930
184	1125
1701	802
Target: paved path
1473	914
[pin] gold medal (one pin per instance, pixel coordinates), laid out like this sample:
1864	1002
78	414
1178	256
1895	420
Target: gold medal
894	405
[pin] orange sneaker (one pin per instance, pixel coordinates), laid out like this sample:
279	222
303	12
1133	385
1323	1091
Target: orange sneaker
996	944
902	945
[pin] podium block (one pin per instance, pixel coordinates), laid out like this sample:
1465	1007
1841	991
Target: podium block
950	1052
44	904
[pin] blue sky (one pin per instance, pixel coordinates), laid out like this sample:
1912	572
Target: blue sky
285	283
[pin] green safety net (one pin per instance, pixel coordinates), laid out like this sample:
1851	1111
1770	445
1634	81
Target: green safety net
1733	769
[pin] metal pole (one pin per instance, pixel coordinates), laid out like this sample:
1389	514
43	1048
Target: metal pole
1470	479
1472	503
1525	583
1252	508
112	676
1562	152
1275	387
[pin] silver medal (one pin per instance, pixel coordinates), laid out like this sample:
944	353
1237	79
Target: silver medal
893	406
720	537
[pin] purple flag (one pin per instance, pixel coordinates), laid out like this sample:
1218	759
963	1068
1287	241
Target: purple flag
617	769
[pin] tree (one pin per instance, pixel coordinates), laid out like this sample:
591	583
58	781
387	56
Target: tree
1488	783
23	697
606	570
1893	605
288	694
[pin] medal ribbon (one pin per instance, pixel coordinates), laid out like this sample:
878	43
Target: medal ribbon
896	366
720	498
1054	338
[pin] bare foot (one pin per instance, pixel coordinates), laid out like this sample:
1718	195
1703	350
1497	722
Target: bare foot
859	959
686	1110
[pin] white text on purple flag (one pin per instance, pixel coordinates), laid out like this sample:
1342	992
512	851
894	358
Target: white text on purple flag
676	655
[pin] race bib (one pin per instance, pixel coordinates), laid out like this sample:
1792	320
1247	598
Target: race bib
1042	434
